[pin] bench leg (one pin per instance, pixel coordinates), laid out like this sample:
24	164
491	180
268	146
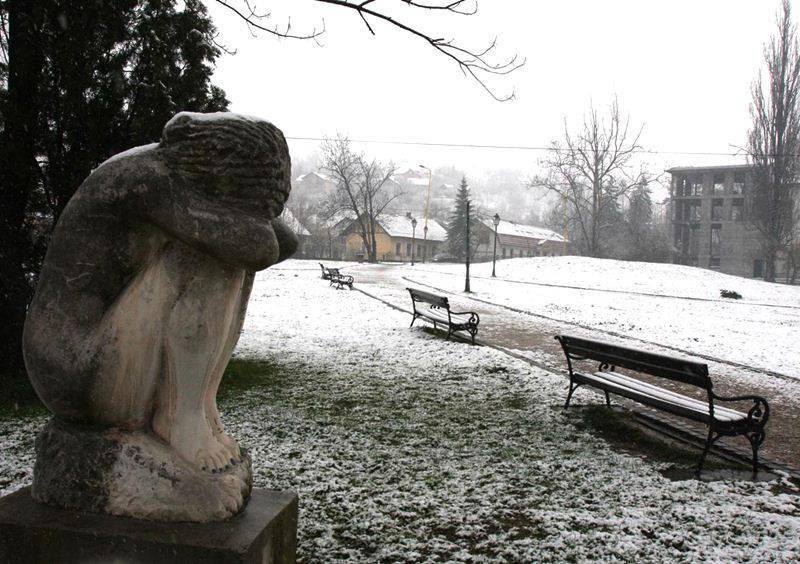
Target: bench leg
709	441
572	388
608	400
755	439
413	319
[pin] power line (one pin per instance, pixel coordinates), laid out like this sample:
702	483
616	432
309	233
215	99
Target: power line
511	147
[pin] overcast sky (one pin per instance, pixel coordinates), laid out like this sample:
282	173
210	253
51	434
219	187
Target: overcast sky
683	68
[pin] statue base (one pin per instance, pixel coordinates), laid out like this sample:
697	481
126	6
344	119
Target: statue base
33	533
132	474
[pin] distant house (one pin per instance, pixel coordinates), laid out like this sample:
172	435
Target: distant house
313	186
298	229
328	239
518	240
395	239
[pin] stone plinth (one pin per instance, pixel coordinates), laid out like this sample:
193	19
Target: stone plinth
30	532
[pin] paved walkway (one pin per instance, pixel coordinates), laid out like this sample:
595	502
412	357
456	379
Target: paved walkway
532	336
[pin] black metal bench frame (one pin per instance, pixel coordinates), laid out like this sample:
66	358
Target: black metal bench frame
341	280
750	425
469	319
326	275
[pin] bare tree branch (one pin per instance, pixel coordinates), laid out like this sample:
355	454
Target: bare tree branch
476	64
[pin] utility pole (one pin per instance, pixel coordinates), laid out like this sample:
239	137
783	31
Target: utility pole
496	221
413	232
427	203
466	283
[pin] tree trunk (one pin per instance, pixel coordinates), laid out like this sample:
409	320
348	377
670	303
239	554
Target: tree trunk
18	177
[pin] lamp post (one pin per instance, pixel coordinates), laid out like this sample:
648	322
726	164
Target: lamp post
413	233
466	282
427	203
496	221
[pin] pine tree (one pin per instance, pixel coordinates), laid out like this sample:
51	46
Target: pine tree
83	81
457	227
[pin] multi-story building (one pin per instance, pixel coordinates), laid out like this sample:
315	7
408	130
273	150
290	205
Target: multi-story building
708	217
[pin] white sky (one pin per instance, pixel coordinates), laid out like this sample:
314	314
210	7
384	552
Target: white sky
681	67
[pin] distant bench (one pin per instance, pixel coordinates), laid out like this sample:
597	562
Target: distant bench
721	421
439	312
335	277
341	280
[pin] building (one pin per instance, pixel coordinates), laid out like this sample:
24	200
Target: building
517	240
709	228
299	230
395	239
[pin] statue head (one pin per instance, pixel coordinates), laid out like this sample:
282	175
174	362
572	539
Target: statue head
241	161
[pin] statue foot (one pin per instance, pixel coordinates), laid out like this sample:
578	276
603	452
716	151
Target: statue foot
133	474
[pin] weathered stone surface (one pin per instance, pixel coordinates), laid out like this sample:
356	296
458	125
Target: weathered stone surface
132	473
139	305
33	533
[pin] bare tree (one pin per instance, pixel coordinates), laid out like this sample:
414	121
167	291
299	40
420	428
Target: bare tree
478	64
590	171
774	141
361	188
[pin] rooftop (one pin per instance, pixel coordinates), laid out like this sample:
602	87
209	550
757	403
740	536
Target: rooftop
707	168
400	226
521	230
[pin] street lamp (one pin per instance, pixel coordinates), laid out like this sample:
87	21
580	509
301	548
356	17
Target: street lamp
466	281
413	233
427	204
496	221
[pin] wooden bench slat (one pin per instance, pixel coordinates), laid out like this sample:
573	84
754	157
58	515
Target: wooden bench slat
620	381
721	421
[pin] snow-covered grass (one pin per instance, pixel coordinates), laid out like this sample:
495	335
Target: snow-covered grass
645	301
405	447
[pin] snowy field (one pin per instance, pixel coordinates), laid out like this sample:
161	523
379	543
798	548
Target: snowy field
405	447
672	305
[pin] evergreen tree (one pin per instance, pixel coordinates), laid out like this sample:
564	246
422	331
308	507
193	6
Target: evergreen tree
79	82
457	226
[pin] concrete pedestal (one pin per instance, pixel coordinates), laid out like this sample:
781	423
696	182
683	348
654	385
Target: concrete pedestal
265	532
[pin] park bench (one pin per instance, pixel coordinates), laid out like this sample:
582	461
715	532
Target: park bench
721	421
439	312
325	274
341	280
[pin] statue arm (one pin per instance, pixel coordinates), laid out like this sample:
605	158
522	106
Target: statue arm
234	236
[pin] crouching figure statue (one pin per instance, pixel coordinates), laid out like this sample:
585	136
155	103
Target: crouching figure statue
139	305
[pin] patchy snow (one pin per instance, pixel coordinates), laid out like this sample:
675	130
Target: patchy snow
405	447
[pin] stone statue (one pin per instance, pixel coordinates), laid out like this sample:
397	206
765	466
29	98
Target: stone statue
139	305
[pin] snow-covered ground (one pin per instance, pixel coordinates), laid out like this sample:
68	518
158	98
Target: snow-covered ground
405	447
673	305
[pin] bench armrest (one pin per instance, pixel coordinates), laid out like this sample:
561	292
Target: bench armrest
757	415
474	318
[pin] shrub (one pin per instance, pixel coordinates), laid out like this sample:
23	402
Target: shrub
732	294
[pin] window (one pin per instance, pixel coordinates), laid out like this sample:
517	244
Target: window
737	207
408	249
693	209
397	249
719	183
504	252
683	187
716	210
716	229
419	250
713	262
738	184
696	188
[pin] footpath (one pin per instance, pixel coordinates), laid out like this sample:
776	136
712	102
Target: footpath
528	335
